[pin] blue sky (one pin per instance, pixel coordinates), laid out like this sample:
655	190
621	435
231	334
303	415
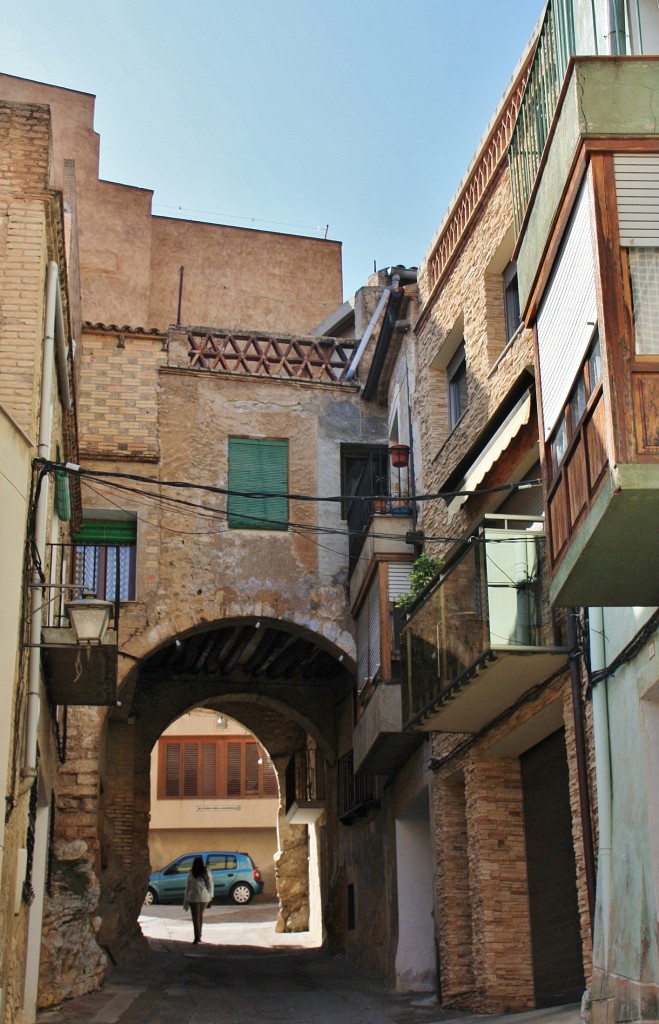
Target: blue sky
286	115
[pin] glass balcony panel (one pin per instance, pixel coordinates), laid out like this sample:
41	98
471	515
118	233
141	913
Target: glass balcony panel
491	601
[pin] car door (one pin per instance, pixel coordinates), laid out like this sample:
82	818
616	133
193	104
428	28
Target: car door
173	879
224	868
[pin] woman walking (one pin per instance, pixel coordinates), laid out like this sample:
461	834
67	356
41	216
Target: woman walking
199	892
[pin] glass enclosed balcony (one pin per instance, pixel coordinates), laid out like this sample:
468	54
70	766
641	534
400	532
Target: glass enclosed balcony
485	634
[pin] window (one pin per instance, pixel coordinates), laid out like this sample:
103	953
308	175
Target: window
644	273
457	386
511	300
258	466
579	397
104	558
364	468
206	768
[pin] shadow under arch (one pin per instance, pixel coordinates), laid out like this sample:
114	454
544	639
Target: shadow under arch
277	678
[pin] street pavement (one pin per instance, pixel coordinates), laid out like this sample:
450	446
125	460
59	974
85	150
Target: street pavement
244	973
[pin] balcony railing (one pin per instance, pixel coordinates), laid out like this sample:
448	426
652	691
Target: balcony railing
381	490
556	44
74	571
491	602
357	793
305	786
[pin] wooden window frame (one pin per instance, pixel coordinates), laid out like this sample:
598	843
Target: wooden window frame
264	785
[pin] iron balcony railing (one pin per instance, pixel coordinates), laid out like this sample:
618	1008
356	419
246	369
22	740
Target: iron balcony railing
381	490
305	778
559	39
492	598
556	44
357	793
105	571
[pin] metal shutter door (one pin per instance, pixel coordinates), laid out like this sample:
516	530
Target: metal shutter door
568	313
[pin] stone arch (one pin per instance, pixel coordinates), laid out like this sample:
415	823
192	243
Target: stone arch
177	672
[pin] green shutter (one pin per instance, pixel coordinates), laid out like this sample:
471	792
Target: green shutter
62	496
256	465
107	531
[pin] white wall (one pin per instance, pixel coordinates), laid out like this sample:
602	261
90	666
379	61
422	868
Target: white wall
415	955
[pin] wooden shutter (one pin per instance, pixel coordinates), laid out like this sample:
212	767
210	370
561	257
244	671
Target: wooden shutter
234	769
568	313
172	785
258	465
251	769
270	785
209	769
190	769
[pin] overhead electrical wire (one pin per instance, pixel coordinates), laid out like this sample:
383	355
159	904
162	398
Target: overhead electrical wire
75	469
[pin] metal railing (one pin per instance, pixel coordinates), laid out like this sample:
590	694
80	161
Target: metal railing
556	44
493	596
381	490
356	793
106	571
305	777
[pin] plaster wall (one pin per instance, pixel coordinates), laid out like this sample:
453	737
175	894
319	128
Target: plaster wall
628	971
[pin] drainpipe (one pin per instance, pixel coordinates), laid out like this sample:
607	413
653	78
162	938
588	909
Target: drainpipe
582	766
384	298
603	772
29	769
615	29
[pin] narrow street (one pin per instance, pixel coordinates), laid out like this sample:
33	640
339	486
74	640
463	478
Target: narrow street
246	983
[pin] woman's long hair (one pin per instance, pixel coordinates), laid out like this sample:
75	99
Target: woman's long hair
198	869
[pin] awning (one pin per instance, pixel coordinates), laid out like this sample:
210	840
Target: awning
494	449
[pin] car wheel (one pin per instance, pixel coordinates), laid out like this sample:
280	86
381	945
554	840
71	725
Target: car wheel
241	893
150	897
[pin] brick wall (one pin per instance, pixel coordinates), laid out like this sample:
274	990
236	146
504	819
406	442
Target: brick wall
24	168
117	397
497	869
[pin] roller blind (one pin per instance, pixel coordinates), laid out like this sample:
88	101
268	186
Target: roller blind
637	192
107	531
568	313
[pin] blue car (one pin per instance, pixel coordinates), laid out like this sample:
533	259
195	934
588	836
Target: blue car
234	877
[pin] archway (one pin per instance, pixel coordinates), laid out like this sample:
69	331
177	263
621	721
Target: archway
282	682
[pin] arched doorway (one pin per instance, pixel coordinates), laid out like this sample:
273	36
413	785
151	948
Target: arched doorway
281	682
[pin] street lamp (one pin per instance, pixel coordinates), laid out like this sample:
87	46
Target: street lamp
89	619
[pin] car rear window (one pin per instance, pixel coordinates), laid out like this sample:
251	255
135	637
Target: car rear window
221	861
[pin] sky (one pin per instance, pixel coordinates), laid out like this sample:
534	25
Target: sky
353	119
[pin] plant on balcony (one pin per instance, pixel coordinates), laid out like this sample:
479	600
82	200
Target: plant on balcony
424	571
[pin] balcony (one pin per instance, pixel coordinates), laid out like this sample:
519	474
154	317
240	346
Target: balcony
484	635
379	506
77	674
358	793
305	787
381	746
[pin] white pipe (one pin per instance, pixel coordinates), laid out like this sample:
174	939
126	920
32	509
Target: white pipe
29	769
603	774
384	298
